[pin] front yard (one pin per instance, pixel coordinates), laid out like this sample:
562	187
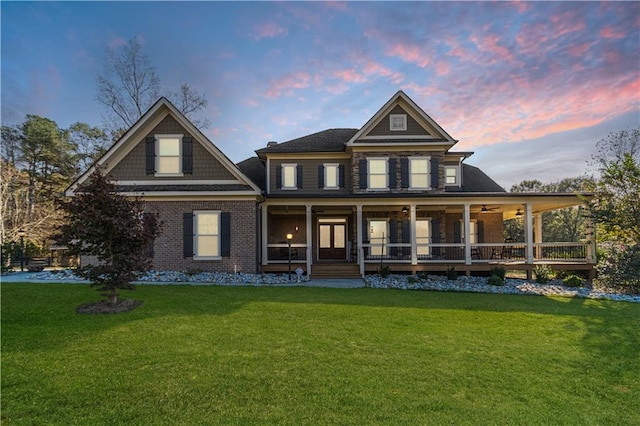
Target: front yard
264	355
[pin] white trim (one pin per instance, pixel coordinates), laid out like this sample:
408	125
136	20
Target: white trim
385	137
196	235
386	173
403	124
158	138
337	176
457	176
282	176
411	160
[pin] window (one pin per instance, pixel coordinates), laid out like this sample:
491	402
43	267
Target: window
473	231
378	173
206	235
331	176
378	235
419	172
451	175
168	155
289	174
398	122
423	236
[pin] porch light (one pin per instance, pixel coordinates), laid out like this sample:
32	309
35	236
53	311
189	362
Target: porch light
518	213
289	238
405	210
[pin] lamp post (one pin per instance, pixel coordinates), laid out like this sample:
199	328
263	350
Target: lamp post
21	234
289	238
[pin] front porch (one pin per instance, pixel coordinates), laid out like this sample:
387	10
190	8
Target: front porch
411	236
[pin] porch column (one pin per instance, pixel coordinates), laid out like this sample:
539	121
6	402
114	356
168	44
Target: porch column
528	232
359	235
466	218
591	239
309	240
414	246
537	234
264	220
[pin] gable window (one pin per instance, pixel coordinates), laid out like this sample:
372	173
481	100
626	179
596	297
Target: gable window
419	172
289	174
168	155
397	122
378	173
451	175
331	176
206	235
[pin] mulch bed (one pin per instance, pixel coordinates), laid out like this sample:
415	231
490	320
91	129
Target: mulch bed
106	307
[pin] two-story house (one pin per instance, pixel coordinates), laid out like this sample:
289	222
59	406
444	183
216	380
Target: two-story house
341	202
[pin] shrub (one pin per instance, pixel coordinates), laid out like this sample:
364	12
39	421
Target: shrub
499	272
384	271
411	279
543	273
572	281
619	265
452	275
495	280
423	275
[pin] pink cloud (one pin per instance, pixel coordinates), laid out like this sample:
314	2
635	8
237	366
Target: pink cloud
287	84
409	53
611	33
252	102
350	76
579	50
442	68
375	68
268	30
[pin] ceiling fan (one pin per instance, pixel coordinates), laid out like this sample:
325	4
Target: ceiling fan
485	209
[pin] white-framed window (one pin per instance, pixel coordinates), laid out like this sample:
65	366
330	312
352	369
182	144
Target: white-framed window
206	238
168	155
423	236
378	237
331	176
473	231
289	176
378	173
397	122
419	172
451	175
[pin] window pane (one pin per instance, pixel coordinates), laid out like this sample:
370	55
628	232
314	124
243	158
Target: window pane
378	230
289	176
168	164
419	181
377	166
422	229
207	245
377	181
169	146
419	166
207	223
338	236
331	176
325	236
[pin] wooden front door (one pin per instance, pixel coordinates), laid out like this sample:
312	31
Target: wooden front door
332	239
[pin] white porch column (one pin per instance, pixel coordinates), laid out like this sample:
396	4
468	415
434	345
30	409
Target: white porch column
309	238
466	218
264	239
537	234
528	232
414	246
591	239
359	235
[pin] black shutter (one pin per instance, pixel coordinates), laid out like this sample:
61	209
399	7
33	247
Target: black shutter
299	176
435	236
187	234
480	228
225	234
404	172
321	176
365	231
278	177
363	173
393	236
457	232
341	183
187	155
406	235
393	177
151	155
435	173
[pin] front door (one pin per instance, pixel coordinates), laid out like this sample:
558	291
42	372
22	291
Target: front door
332	239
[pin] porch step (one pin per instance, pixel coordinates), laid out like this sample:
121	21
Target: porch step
335	270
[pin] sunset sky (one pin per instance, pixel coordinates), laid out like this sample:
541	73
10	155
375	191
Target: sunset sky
530	87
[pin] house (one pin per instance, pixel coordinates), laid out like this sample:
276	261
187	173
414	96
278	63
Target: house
340	202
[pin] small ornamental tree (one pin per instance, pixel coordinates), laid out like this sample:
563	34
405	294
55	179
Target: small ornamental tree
114	229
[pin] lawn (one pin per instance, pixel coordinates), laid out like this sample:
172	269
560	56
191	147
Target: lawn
227	355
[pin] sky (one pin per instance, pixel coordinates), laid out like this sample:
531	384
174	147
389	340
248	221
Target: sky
530	87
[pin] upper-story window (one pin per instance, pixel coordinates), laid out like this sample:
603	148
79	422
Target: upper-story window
289	176
451	175
169	155
419	172
398	122
378	173
331	176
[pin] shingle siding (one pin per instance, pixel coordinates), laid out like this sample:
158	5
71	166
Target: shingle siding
310	177
384	129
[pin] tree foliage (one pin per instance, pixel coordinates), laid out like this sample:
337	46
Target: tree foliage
114	229
129	85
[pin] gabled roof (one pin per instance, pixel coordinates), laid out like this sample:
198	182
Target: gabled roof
253	168
475	180
411	108
331	140
154	115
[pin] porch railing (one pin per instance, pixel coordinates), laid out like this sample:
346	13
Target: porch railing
559	252
279	253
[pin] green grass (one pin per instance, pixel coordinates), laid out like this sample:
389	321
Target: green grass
224	355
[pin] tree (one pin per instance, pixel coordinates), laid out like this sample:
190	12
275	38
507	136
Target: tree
129	85
113	228
89	144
